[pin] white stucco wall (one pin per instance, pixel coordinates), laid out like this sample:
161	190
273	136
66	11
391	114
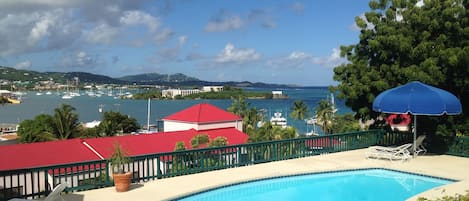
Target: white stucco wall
179	126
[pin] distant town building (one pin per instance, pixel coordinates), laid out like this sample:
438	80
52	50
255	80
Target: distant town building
278	95
212	88
172	93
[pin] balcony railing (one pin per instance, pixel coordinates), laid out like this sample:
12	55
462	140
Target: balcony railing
37	182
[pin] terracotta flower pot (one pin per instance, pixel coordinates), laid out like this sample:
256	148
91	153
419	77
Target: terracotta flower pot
122	181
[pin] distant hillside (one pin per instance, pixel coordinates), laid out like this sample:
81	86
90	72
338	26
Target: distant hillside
158	78
174	80
8	73
93	78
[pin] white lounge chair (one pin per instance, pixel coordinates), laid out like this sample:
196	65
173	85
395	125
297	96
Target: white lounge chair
419	145
392	153
53	196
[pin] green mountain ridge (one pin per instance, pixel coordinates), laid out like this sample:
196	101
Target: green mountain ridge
178	79
152	77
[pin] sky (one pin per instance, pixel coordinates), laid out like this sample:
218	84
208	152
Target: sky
281	42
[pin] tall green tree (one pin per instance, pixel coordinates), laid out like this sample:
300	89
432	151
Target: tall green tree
115	122
37	130
402	41
325	115
345	123
65	122
299	110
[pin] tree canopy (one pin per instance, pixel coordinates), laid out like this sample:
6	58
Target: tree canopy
402	41
115	122
299	110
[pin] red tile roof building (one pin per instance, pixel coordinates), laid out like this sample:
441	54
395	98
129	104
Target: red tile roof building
202	116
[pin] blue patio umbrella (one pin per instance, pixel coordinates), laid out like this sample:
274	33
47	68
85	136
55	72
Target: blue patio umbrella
417	98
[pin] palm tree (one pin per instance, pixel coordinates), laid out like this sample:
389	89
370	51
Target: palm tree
251	118
299	110
65	122
239	106
325	115
37	130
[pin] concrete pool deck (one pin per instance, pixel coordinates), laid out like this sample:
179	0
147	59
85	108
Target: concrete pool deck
445	166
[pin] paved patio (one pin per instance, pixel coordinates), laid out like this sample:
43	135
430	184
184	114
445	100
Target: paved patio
436	165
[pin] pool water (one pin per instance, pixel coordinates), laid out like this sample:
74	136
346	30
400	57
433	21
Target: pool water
356	185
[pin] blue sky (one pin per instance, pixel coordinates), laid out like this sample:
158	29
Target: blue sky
284	42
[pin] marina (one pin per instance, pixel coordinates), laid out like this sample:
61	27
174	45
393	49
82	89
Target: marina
90	107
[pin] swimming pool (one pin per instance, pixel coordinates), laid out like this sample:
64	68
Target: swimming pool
354	185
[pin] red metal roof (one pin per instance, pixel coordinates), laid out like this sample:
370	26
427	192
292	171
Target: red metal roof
203	113
19	156
161	142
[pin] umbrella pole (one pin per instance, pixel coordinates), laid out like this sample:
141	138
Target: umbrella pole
415	136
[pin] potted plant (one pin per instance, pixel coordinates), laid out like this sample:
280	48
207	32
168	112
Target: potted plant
118	159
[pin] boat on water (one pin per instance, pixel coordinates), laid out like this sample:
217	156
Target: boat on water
278	120
13	100
11	97
315	121
67	96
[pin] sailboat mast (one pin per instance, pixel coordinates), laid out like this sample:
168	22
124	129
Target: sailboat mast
148	115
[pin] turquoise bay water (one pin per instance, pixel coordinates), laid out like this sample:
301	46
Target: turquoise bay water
361	185
87	107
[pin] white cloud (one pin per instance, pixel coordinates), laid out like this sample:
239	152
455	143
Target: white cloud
41	28
263	17
164	35
29	32
296	59
23	65
79	59
225	24
232	55
182	40
83	59
296	55
133	18
28	26
102	34
299	59
297	7
332	60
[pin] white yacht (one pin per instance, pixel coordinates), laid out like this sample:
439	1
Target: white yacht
67	96
278	120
